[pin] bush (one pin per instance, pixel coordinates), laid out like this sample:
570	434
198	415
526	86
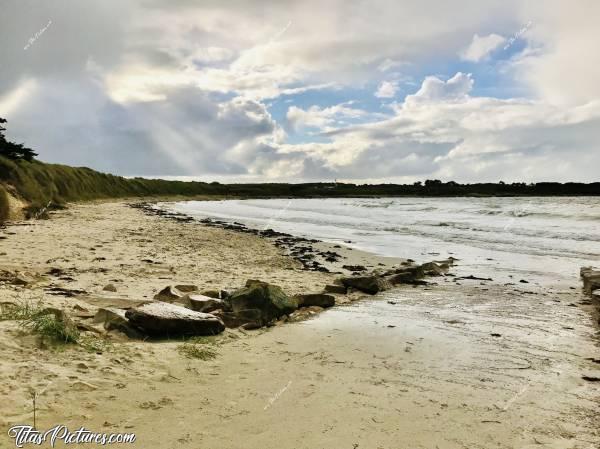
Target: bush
4	205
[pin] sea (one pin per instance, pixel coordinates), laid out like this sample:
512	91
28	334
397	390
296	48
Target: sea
541	239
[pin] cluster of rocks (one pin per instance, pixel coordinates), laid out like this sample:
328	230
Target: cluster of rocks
591	281
184	310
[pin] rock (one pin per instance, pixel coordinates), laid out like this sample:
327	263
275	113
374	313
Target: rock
368	284
332	288
224	294
596	294
186	288
211	293
400	278
19	278
162	319
169	294
110	288
354	267
591	279
315	299
251	326
408	271
304	313
115	319
240	318
201	303
434	269
268	298
446	262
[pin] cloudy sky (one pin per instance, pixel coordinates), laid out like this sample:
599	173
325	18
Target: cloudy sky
297	90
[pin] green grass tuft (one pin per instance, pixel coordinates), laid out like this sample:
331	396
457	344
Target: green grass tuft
40	321
20	311
49	326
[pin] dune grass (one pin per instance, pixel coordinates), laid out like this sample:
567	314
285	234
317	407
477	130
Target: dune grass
49	326
46	186
41	321
4	205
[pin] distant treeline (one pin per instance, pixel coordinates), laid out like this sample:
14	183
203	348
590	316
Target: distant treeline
39	184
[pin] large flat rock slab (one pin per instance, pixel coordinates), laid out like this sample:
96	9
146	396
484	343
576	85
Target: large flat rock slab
163	319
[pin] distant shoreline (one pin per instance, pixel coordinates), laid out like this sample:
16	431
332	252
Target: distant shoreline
27	187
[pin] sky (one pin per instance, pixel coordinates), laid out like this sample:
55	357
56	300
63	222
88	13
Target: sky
305	90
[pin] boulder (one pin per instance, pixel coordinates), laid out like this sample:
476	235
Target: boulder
23	279
434	269
211	293
224	294
591	279
333	288
251	326
110	288
400	278
408	271
162	319
268	298
201	303
315	299
115	319
169	294
240	318
186	288
411	273
371	284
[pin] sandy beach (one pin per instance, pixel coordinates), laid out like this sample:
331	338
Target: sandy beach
451	365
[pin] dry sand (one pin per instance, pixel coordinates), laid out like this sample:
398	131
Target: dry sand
448	366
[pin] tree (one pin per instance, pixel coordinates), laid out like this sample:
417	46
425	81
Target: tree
13	150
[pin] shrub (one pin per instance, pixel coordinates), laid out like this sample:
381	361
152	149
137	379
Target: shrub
4	205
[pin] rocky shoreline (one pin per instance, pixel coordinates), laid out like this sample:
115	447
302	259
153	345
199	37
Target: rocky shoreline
185	310
188	309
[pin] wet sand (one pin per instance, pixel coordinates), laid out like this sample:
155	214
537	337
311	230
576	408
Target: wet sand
476	365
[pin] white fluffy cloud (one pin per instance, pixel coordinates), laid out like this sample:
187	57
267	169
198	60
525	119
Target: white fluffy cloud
443	131
173	87
323	119
434	89
387	89
481	46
